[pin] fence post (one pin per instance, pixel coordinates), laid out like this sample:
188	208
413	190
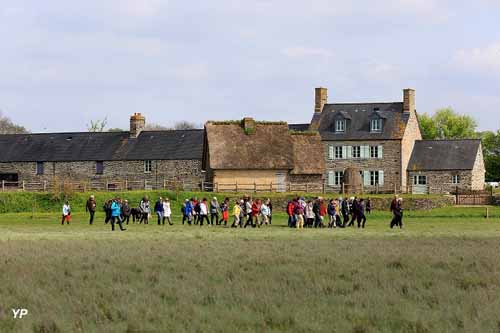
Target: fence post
487	213
145	184
271	187
323	189
254	187
202	186
216	187
3	185
165	183
236	186
45	186
307	187
23	186
343	189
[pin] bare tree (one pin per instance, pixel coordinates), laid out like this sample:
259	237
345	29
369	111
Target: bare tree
97	125
184	124
8	127
156	127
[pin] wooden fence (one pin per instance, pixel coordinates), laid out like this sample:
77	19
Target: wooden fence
473	198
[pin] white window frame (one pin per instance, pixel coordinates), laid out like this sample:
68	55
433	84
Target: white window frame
376	125
338	178
373	151
339	152
340	125
455	179
148	166
374	178
420	180
356	152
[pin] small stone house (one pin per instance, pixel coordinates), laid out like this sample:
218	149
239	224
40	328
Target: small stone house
376	138
442	166
136	156
251	155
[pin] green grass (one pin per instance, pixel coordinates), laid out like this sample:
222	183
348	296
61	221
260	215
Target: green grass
441	273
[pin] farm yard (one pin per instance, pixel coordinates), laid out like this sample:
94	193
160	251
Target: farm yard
440	273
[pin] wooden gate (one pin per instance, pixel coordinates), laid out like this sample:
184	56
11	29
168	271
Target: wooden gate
480	198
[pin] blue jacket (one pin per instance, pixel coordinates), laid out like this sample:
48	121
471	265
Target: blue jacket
159	207
189	208
115	209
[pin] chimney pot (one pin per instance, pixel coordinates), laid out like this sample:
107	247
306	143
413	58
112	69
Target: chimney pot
137	124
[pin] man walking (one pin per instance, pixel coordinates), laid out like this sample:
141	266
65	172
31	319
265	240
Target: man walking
90	207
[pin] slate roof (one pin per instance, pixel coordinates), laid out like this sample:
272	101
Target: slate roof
298	127
103	146
435	155
358	121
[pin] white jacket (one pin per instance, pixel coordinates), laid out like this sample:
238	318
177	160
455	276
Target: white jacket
166	208
66	210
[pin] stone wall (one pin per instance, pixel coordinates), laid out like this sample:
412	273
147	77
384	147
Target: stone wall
441	181
390	162
188	171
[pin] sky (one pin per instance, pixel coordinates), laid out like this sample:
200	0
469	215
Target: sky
65	63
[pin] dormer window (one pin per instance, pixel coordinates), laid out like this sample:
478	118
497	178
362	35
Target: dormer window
376	125
340	125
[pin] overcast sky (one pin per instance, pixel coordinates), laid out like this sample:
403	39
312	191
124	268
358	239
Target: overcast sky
64	63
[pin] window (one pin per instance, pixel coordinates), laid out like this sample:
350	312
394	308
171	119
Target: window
356	152
374	152
148	166
374	178
455	179
339	177
376	125
339	152
39	168
99	167
340	125
419	180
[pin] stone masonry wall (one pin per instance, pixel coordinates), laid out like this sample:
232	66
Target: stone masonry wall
440	182
188	171
479	172
390	162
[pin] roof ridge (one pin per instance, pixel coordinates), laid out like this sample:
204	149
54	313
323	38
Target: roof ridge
66	133
442	140
363	103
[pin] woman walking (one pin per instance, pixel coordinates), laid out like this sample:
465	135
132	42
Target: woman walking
203	212
159	211
167	211
115	215
90	208
236	214
145	210
66	213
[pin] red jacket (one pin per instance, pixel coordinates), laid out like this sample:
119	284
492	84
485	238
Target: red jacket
322	209
290	208
255	209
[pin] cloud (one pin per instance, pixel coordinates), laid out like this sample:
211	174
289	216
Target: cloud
301	51
479	59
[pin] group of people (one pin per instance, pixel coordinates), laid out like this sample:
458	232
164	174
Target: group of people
332	213
245	212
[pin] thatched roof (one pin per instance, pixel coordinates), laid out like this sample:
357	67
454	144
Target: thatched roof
307	154
229	146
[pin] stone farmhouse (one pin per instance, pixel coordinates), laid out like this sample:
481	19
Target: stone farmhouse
146	157
380	143
383	141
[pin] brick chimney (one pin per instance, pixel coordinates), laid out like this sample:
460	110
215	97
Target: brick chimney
137	124
321	98
408	100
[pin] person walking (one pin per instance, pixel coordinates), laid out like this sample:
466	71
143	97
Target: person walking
224	208
309	214
299	215
145	210
236	214
397	211
317	217
265	212
159	211
203	212
115	215
361	213
394	210
331	214
126	211
322	212
167	211
90	208
270	206
369	206
66	213
187	212
107	211
354	211
214	211
344	209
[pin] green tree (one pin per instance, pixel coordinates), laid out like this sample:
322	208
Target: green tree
447	124
491	151
8	127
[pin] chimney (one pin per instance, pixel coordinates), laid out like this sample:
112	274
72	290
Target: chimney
137	124
248	125
321	99
408	100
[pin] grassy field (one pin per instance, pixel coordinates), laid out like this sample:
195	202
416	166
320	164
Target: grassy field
441	273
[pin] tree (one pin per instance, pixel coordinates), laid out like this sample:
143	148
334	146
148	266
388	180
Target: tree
8	127
156	127
97	125
115	129
183	125
447	124
491	151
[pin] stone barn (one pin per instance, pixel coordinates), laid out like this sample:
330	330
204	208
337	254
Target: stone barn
136	156
442	166
250	155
